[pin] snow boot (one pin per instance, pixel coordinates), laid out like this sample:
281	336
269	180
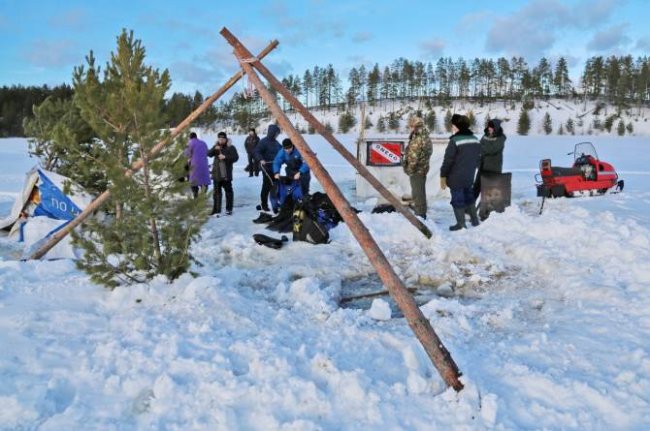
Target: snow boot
471	210
460	219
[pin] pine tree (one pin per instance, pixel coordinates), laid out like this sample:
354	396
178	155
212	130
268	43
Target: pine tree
381	124
431	121
346	122
393	121
523	125
560	130
547	124
472	119
368	124
150	224
570	127
629	128
609	123
62	142
620	129
598	125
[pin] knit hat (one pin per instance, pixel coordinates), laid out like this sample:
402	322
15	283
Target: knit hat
286	143
222	135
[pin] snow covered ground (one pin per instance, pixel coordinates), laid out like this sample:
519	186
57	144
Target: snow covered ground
549	321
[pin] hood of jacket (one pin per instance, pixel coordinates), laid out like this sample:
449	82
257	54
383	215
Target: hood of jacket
497	127
273	131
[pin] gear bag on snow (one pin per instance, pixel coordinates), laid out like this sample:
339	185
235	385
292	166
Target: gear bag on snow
313	219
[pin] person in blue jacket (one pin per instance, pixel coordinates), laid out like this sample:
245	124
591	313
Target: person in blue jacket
296	167
265	152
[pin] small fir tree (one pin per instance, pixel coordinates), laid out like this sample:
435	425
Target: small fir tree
381	124
609	123
598	125
620	128
329	127
629	128
150	225
431	121
560	130
547	124
63	142
523	125
393	121
346	122
472	119
368	124
570	127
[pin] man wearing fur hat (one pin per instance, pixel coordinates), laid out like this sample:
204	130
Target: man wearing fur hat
458	169
416	163
225	155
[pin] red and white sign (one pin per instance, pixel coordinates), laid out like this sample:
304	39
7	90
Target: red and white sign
385	153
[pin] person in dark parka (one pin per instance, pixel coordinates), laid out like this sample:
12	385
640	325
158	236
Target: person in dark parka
492	144
253	167
265	153
225	155
458	169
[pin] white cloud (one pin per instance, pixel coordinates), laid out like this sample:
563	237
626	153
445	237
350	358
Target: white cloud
76	19
643	44
48	53
433	48
610	38
535	28
361	36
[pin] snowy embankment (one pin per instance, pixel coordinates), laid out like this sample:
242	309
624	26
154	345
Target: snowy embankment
549	321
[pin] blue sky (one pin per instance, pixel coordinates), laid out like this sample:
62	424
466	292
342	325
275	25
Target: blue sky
43	39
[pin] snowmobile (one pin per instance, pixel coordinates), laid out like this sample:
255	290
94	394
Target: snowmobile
587	175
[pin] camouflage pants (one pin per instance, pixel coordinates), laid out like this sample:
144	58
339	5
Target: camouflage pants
419	194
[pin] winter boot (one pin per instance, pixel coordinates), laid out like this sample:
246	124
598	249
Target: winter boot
471	210
460	219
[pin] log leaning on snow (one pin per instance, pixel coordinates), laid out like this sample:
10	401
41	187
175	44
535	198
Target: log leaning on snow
320	128
419	324
137	165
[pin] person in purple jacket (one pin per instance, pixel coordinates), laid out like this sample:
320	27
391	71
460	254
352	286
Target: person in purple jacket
197	153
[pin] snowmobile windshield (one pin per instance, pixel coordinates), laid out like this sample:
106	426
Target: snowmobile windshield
584	149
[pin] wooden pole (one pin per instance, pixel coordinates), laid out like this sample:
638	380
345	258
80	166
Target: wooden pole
439	355
320	128
99	200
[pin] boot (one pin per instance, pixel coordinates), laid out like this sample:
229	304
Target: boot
460	219
471	210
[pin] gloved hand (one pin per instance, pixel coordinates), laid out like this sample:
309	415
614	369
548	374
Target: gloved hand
443	183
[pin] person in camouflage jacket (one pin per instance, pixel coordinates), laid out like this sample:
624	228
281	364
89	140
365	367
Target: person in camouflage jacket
416	163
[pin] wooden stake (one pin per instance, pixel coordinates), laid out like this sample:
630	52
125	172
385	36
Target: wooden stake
420	325
137	165
320	128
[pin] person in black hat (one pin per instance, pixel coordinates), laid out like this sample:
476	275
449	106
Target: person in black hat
264	154
296	167
253	167
225	155
458	169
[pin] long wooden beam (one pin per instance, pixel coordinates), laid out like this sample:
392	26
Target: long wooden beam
420	325
135	166
329	137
